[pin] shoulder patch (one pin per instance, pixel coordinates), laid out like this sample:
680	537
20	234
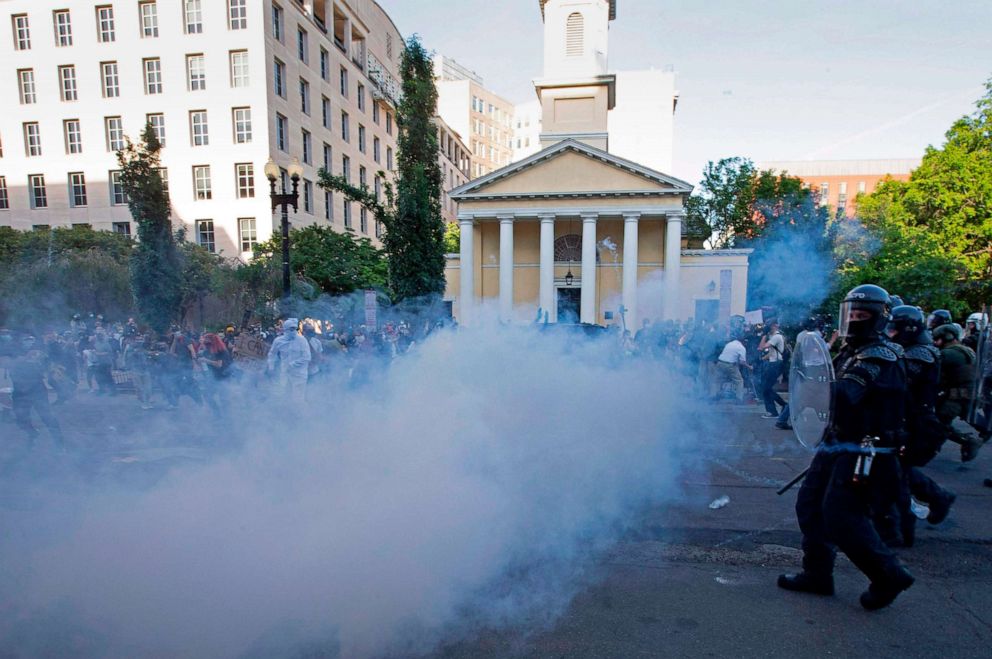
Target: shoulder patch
921	353
878	351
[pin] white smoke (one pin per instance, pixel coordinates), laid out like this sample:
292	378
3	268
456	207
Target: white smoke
473	485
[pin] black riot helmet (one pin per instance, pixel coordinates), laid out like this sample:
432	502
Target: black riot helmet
906	324
870	306
895	301
938	318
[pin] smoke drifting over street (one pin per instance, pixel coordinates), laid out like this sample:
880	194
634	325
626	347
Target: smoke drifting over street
472	484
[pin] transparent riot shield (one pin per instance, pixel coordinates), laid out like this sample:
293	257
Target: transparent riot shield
980	410
811	378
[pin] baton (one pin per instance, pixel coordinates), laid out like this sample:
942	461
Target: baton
788	486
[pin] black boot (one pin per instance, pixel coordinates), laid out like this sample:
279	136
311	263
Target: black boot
804	582
940	508
882	593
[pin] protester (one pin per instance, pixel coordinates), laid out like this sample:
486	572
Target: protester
772	349
27	375
289	359
732	359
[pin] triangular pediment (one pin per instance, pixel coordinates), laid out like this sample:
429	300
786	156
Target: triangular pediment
571	168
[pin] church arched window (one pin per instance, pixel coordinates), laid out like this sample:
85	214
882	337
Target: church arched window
574	35
568	249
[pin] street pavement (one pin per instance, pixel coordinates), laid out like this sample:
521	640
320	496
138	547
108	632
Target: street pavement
689	581
696	582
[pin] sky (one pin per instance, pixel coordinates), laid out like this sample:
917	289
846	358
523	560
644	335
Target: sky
767	80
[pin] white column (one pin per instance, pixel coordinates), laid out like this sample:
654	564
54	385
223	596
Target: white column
630	221
588	298
547	276
466	265
673	263
506	268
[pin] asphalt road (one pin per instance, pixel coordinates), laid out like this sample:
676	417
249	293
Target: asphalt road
689	581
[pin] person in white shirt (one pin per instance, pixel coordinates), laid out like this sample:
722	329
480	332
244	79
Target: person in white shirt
772	349
728	367
291	352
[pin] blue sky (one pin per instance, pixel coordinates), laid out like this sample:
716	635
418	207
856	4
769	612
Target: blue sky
783	80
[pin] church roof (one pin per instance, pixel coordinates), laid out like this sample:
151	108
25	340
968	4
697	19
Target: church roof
474	188
613	9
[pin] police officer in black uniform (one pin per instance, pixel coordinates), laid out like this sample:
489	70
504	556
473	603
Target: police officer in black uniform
924	431
856	468
938	318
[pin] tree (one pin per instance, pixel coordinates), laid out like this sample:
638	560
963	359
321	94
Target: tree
336	263
410	213
933	233
156	271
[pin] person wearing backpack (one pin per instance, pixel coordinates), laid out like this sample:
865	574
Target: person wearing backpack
772	350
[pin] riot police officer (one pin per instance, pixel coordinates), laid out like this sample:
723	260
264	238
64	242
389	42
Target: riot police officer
958	372
938	318
924	432
856	469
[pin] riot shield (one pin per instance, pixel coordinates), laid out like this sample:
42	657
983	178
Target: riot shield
811	378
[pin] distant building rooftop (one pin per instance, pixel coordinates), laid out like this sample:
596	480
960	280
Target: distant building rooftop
879	167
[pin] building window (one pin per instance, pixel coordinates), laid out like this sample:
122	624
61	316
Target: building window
328	205
201	182
389	46
237	14
63	28
32	139
73	136
242	125
325	112
163	174
345	127
344	82
105	32
196	73
157	122
347	214
249	233
122	228
149	19
239	68
279	78
308	196
110	79
325	65
362	177
361	138
277	22
389	123
389	158
22	32
363	219
205	235
861	187
193	15
375	112
198	128
67	83
36	186
824	193
304	96
376	149
244	173
26	88
377	183
77	189
346	168
4	200
307	147
282	131
153	75
117	196
302	45
361	97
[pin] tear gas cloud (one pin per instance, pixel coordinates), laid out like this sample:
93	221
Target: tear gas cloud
472	484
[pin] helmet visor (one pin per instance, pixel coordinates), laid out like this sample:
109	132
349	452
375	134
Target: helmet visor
844	319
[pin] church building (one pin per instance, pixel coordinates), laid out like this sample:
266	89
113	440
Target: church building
574	233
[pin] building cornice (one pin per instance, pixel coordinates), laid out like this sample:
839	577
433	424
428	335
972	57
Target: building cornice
717	252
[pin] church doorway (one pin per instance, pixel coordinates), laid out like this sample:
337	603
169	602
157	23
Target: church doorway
569	304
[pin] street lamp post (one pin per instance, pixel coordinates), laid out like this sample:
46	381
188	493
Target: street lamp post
284	200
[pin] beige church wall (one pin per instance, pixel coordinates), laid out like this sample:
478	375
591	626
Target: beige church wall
575	109
569	172
698	272
526	242
651	242
526	293
453	283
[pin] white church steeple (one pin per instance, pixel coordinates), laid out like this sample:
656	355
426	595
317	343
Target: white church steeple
577	90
